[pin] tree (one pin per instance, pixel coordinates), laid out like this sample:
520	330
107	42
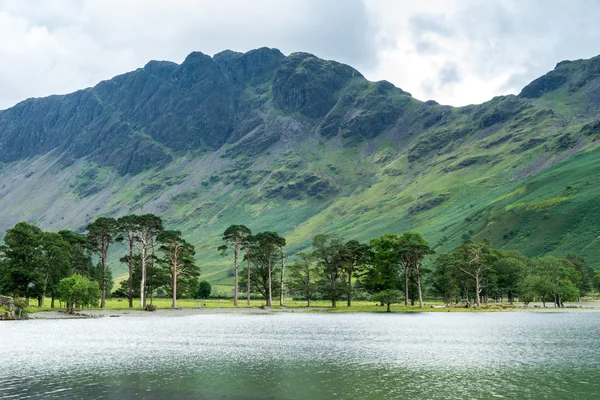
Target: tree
81	259
387	297
510	269
204	290
129	226
412	249
552	279
149	226
443	279
354	258
302	277
263	250
101	233
596	280
55	264
585	272
234	236
383	264
247	245
77	289
21	260
475	260
329	256
180	256
269	243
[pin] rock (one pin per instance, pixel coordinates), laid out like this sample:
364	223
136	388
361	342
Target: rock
11	312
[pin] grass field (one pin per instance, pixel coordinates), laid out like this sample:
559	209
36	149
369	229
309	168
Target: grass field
315	306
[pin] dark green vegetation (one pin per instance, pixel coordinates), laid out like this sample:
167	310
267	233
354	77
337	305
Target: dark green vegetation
299	145
392	265
37	264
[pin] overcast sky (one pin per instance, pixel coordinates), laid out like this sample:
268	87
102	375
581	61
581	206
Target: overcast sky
454	51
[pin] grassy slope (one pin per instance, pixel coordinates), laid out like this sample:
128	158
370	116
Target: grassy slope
516	171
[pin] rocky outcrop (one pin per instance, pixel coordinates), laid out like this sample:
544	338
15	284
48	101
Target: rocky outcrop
8	311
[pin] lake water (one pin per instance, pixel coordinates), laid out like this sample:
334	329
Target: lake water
516	355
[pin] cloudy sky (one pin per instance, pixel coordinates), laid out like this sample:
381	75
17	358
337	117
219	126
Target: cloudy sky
454	51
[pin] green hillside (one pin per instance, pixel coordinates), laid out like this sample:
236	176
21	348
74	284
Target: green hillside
301	145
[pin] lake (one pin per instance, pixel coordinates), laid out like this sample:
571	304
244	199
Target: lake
536	355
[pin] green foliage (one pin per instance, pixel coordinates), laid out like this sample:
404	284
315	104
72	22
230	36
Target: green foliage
204	290
302	277
77	289
236	135
387	297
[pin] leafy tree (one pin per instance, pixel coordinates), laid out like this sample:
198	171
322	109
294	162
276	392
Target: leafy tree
329	255
77	289
383	270
149	227
443	279
412	249
510	269
234	237
129	226
558	280
55	264
355	255
584	282
21	260
475	260
267	246
302	277
204	290
99	274
596	280
81	259
247	245
180	256
387	297
262	252
101	233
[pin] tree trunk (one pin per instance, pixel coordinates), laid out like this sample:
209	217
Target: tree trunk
281	283
104	272
333	294
52	302
350	288
130	273
152	274
143	280
308	301
269	297
388	307
236	251
405	286
419	284
174	285
477	299
420	292
248	257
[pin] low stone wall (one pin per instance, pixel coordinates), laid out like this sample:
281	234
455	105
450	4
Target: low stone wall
7	303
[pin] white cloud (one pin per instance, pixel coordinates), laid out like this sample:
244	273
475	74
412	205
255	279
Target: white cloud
457	52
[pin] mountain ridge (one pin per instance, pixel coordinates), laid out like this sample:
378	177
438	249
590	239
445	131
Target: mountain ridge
303	146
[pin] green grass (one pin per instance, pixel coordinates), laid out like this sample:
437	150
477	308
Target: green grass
316	306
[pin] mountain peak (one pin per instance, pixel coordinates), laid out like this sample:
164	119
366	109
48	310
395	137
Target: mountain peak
570	76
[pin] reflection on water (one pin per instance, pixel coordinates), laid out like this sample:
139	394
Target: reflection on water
299	356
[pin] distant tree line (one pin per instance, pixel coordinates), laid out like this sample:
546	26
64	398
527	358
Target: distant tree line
38	264
73	267
394	267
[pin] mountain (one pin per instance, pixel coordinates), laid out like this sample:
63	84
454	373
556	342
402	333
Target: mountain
302	146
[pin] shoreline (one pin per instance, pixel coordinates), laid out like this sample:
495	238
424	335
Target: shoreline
185	312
